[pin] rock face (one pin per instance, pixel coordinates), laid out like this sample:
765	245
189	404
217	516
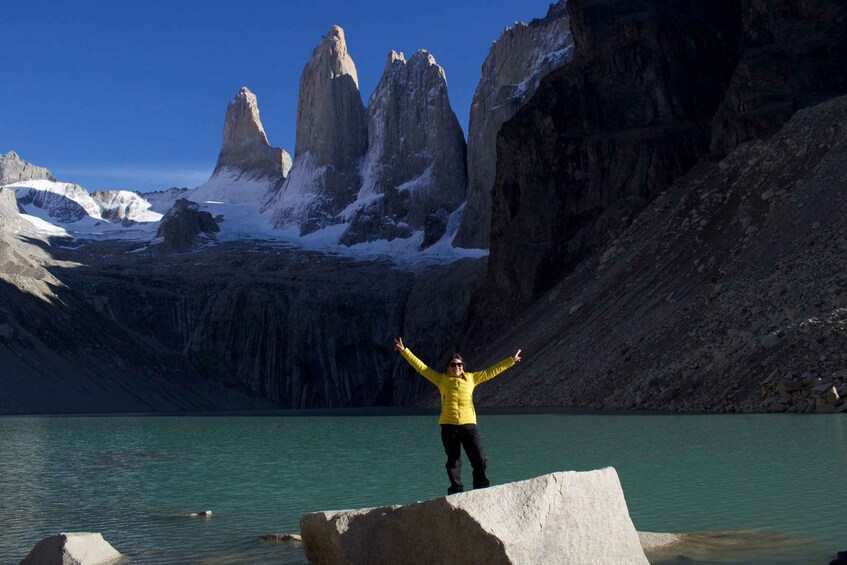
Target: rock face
299	328
245	149
134	329
20	263
331	140
793	53
14	169
184	226
430	322
579	162
72	548
604	134
515	65
569	517
414	172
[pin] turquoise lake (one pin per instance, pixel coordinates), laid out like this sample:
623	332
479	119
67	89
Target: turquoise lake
135	478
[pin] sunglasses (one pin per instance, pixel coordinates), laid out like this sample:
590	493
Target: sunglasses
456	364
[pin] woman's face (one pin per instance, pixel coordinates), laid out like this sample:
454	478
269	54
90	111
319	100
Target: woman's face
455	367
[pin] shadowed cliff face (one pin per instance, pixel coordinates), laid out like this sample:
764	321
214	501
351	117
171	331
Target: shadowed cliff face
654	87
113	326
726	294
61	351
605	134
638	268
793	54
298	328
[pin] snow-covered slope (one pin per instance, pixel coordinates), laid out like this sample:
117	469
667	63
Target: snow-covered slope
124	206
63	201
68	210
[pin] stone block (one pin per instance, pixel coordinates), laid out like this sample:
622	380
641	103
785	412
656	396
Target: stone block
568	517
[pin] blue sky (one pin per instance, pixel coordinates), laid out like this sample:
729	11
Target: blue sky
132	95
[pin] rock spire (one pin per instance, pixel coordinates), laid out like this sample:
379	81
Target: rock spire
414	171
331	140
245	149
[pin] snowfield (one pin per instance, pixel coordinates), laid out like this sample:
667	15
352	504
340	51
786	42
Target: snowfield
67	210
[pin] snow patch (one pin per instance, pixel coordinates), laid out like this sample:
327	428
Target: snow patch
44	227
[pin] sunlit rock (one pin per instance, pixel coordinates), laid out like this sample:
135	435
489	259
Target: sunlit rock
80	548
568	517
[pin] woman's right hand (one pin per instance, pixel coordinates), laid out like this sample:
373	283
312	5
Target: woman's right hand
398	344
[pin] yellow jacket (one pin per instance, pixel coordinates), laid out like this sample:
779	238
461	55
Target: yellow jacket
456	392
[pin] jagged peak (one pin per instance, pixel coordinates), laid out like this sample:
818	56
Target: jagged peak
394	56
556	11
336	32
422	55
421	62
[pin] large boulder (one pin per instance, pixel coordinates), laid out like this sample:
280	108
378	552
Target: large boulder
80	548
184	226
569	517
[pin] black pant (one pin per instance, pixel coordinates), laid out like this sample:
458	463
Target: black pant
467	436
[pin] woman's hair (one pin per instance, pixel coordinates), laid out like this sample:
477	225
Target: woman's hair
456	357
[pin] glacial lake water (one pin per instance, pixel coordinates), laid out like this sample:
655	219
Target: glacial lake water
778	478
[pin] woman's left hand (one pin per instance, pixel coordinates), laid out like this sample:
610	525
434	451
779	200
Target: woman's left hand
517	356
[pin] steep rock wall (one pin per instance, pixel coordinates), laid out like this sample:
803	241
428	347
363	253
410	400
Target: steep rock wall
793	54
510	75
603	136
726	294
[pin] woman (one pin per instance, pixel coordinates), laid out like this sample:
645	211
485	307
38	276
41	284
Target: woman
458	417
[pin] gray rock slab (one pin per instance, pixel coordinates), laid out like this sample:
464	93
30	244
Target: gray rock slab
567	517
79	548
